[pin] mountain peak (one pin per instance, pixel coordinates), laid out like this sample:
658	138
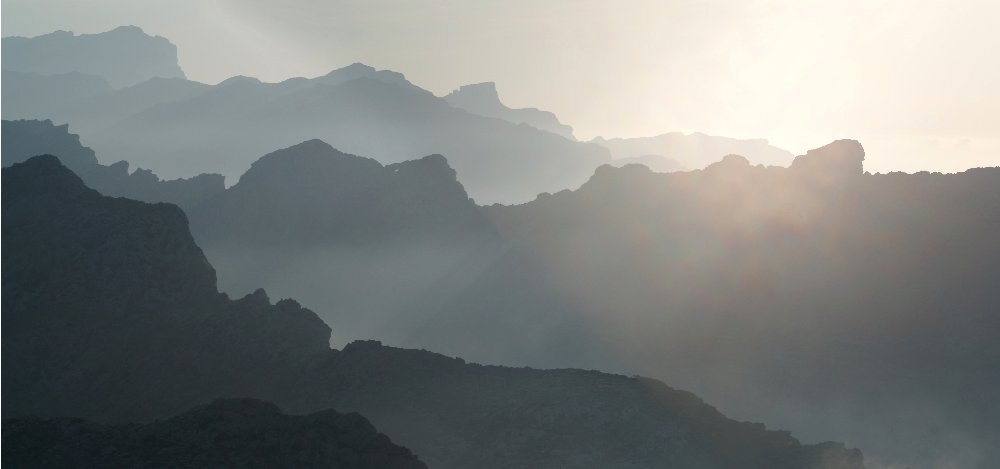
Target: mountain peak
486	91
358	70
839	159
483	99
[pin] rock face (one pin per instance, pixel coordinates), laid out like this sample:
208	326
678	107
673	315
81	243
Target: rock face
23	139
225	433
123	56
482	99
110	313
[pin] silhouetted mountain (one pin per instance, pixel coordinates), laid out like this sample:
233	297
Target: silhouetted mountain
482	99
23	139
123	56
695	150
222	129
360	70
867	302
226	433
310	194
363	238
179	128
110	313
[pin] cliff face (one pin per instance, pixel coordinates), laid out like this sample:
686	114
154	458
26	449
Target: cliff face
111	313
225	433
123	56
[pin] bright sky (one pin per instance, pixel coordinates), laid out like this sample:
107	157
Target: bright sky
916	81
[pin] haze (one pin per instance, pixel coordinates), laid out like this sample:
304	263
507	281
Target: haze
914	81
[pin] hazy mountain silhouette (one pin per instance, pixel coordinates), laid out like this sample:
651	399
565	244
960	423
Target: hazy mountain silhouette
868	302
179	128
817	283
111	313
123	56
695	150
482	99
363	238
225	128
23	139
225	433
360	70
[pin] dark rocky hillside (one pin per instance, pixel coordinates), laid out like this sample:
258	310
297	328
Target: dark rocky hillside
226	433
111	313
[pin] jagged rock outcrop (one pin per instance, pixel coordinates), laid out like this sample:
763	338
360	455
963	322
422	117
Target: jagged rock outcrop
110	313
482	99
123	56
225	433
23	139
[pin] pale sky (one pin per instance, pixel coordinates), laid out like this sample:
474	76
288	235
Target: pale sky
915	81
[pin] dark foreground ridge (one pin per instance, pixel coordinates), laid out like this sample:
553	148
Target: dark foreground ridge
111	314
226	433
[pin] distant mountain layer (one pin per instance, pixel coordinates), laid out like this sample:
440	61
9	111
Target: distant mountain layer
482	99
696	150
123	56
656	163
24	139
225	433
111	313
179	128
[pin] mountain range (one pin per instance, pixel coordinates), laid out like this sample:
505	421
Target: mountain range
180	128
112	314
801	291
